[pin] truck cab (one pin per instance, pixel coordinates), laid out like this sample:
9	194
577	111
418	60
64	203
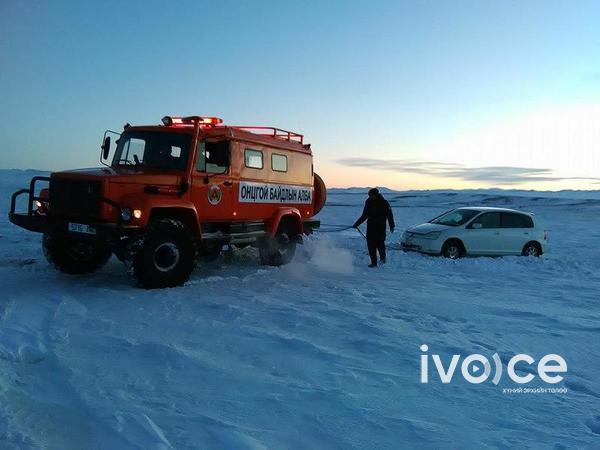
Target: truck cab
169	195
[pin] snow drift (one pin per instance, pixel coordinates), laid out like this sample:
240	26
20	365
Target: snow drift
323	353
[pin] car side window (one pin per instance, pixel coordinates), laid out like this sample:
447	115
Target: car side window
514	220
212	157
487	220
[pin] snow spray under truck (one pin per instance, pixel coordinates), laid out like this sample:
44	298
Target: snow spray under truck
176	193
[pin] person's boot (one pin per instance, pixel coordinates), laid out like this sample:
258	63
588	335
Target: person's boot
373	264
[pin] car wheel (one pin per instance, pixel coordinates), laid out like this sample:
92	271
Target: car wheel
73	255
532	249
452	250
164	256
281	248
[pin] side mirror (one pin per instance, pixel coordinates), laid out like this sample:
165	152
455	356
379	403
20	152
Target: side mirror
476	226
105	147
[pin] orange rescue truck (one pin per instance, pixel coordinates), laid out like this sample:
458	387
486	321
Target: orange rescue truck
174	193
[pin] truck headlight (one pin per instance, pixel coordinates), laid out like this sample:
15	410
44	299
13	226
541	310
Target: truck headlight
433	235
125	214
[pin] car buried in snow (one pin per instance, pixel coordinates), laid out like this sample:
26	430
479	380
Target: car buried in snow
169	193
477	231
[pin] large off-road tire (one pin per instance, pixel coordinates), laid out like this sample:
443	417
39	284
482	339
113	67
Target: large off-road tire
164	256
281	248
453	249
74	255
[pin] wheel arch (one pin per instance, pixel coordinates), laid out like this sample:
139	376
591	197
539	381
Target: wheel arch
459	241
285	214
186	215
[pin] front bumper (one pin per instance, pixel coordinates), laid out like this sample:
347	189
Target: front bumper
31	222
39	223
414	243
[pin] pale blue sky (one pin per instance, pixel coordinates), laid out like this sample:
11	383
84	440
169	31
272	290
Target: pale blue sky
408	81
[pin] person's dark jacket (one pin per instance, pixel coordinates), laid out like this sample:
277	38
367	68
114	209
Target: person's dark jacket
376	212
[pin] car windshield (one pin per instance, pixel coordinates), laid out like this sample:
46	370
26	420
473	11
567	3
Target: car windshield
456	217
158	150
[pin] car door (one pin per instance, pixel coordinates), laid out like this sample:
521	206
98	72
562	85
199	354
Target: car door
212	183
483	234
516	229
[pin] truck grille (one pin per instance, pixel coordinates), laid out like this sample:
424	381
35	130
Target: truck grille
75	197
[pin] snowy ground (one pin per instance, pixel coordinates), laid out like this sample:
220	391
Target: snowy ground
323	353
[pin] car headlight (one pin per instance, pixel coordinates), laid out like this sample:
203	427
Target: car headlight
125	214
433	235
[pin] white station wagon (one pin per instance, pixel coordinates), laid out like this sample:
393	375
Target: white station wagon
477	231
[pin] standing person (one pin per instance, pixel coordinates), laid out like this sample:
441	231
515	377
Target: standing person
377	212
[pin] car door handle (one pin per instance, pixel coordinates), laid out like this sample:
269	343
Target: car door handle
228	183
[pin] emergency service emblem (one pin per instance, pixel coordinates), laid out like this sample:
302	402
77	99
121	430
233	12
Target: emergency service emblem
214	194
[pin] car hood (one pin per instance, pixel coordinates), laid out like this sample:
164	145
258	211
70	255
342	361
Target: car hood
123	175
425	228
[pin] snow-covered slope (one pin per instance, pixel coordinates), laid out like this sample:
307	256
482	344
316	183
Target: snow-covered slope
323	353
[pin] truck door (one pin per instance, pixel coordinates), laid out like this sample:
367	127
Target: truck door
212	183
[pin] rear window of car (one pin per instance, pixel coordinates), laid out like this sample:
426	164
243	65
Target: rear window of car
514	220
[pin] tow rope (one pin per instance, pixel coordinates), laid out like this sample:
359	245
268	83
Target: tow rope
339	229
333	230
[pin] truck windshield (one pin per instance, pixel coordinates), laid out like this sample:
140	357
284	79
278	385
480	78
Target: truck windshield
159	150
456	217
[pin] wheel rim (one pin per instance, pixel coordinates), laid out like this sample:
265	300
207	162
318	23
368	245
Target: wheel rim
453	252
285	245
166	256
531	250
80	251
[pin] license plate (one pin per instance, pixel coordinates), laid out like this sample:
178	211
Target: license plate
81	228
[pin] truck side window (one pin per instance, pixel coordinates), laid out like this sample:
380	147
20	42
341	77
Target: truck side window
279	163
253	158
213	157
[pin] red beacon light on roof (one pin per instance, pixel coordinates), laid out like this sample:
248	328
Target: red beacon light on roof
170	121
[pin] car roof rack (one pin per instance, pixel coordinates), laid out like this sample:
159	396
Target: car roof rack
273	132
204	121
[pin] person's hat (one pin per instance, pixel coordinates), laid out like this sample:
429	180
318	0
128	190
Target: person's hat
373	191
